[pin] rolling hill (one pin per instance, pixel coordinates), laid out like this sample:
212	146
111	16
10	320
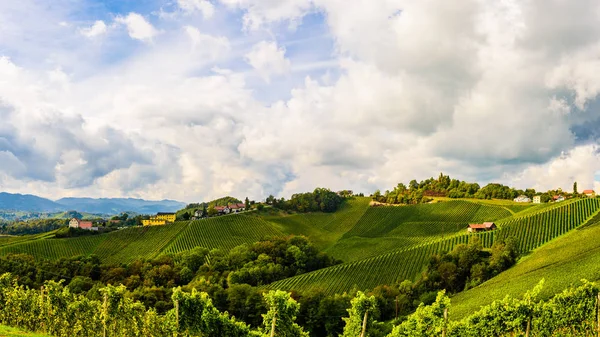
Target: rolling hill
406	262
562	262
377	244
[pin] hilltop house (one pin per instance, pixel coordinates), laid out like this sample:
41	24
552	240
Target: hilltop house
235	208
76	223
486	226
589	193
522	198
537	199
198	213
222	210
558	198
161	218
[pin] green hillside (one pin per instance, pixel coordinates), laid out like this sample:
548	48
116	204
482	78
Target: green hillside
562	262
385	229
324	229
406	262
378	244
129	244
223	232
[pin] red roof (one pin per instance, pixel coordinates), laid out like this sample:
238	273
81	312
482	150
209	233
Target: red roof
220	208
85	224
588	192
482	226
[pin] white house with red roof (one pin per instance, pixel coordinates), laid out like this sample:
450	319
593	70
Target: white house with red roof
589	193
76	223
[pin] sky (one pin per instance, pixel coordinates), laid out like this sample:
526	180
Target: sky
196	99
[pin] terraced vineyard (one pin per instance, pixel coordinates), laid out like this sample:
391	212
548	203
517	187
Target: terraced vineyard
534	230
385	229
128	244
56	248
324	229
406	262
369	273
222	232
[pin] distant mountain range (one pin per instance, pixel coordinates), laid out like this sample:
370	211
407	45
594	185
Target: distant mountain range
32	203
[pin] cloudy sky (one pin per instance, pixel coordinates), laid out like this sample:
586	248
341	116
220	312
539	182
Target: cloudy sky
196	99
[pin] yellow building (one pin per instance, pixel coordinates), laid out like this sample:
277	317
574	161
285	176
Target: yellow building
153	222
168	217
159	219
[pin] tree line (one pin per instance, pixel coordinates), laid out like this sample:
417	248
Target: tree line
444	186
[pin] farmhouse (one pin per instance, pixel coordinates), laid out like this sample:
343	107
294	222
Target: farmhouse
537	199
198	213
589	193
222	209
76	223
235	208
522	198
161	218
486	226
558	198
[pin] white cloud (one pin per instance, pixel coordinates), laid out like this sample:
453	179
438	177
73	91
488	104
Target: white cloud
97	29
204	6
577	165
138	27
268	59
208	45
263	12
480	90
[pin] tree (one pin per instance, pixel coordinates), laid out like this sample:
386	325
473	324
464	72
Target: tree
575	188
212	211
247	203
284	309
361	305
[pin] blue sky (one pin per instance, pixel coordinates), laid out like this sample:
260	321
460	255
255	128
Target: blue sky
196	99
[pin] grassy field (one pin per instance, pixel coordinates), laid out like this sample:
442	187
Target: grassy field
12	332
562	262
406	256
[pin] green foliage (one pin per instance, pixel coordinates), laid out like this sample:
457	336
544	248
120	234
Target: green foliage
361	305
426	321
70	232
284	309
195	314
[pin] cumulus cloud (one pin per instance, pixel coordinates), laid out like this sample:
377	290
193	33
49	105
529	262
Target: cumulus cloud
485	91
138	27
268	59
577	165
204	6
97	29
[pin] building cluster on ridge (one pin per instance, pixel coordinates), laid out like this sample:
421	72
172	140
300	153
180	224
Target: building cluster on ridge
556	198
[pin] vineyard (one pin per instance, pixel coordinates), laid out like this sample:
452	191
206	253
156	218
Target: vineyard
407	261
385	229
324	229
536	229
222	232
561	262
